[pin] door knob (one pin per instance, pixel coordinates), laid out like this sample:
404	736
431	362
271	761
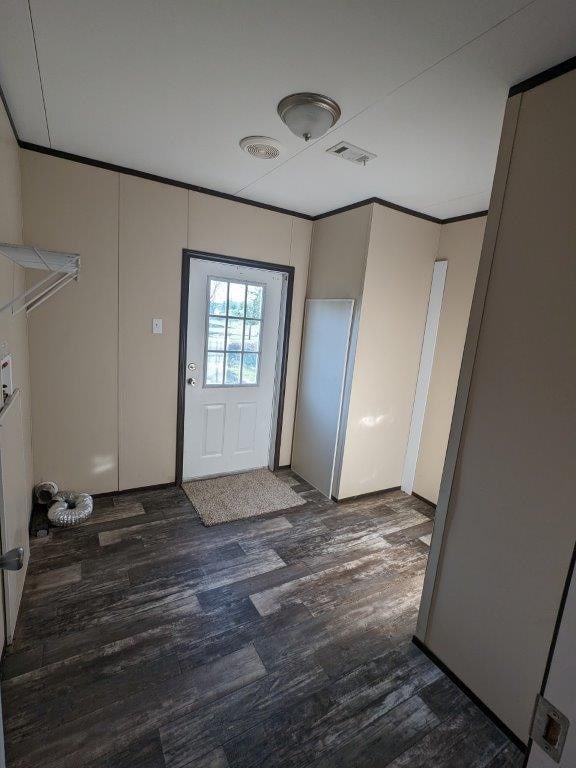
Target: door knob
191	382
12	560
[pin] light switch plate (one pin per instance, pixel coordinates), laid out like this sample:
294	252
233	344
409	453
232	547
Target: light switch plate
156	325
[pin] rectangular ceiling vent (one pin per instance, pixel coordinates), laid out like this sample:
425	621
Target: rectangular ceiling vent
354	154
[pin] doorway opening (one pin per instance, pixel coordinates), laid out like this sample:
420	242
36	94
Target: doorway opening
424	375
234	335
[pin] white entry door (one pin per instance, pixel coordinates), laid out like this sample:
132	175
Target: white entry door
234	319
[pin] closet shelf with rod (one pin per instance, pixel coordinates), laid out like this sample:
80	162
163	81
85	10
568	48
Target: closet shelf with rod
61	268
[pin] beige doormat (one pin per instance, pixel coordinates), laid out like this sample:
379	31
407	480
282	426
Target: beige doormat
235	497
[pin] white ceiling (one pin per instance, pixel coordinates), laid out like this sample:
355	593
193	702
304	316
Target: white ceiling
171	86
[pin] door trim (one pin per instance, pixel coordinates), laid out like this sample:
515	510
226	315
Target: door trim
187	256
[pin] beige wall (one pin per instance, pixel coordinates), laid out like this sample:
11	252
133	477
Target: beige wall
111	383
13	329
16	423
338	255
153	221
460	245
384	260
400	261
510	526
74	336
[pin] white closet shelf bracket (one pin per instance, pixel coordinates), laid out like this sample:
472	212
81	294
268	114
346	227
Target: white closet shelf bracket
61	267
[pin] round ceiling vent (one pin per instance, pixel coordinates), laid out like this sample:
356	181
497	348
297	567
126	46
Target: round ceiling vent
261	147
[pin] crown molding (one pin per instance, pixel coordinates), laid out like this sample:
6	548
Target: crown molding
234	198
532	82
41	149
154	177
543	77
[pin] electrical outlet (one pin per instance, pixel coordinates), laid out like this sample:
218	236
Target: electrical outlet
156	325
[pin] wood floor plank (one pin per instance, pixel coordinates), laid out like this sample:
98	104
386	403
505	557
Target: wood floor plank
323	590
94	736
282	688
59	691
214	759
188	740
117	512
227	593
145	752
336	731
466	739
172	632
18	661
213	680
58	577
508	757
383	739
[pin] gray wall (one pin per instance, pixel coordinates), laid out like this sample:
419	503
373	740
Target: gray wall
511	523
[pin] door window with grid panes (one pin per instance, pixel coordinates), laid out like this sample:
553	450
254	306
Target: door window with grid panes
233	333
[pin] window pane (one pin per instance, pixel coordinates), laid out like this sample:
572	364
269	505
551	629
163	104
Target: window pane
233	360
252	336
234	336
218	297
216	332
214	367
250	368
254	301
237	299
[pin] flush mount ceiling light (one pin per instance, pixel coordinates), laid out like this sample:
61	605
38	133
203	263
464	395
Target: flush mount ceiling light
261	147
309	115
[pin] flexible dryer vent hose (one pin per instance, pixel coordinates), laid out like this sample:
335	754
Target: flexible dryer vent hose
70	508
45	492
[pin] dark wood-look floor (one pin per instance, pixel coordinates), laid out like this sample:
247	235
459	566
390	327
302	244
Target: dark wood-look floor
146	640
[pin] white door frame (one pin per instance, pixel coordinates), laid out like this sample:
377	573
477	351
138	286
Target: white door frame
281	360
424	374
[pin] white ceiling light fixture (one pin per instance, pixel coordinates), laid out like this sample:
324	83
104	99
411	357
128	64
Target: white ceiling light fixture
309	115
261	147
